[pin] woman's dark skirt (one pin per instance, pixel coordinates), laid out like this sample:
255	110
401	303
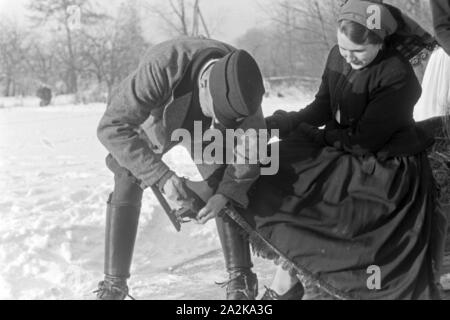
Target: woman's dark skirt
340	217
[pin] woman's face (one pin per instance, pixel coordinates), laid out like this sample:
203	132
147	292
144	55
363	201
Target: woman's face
357	55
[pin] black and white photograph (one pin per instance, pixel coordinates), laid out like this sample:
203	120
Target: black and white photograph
244	151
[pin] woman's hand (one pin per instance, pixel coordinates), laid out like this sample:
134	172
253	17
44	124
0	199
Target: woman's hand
313	133
212	209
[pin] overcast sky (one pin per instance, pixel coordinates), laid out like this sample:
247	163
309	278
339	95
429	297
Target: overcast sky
228	18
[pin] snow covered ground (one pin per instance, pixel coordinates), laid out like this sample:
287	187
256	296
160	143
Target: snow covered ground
53	189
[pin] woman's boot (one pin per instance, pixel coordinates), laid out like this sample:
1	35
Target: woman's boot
296	293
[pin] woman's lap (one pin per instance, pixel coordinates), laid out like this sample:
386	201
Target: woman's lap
335	214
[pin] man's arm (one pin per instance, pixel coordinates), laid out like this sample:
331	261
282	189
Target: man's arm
129	107
238	178
441	21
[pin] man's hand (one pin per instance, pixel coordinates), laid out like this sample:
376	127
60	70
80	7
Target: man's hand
212	209
174	190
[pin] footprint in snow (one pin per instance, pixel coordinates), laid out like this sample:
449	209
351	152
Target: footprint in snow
47	143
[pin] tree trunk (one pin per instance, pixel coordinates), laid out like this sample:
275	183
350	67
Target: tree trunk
73	78
110	88
7	86
72	83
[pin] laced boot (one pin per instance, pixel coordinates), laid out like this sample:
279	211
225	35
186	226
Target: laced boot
242	285
113	289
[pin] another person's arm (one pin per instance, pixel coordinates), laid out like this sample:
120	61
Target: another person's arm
317	114
238	178
441	22
390	109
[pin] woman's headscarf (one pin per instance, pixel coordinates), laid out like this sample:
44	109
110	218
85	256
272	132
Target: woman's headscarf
409	38
363	13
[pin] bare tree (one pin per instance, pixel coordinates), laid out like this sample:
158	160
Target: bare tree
12	56
181	17
41	62
263	45
100	53
312	22
114	49
56	15
304	33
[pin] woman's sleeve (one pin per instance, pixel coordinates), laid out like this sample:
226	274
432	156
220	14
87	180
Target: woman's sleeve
441	22
390	109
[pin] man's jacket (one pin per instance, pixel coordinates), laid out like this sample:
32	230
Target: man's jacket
147	108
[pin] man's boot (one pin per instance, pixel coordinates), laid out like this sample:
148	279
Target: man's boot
243	283
112	289
121	230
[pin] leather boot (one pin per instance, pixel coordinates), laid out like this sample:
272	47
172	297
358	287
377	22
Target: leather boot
243	283
121	230
297	292
112	289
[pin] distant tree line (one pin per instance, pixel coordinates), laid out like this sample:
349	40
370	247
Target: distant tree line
301	33
69	47
74	47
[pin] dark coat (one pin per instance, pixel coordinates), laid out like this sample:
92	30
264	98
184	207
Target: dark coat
375	104
153	102
334	211
441	22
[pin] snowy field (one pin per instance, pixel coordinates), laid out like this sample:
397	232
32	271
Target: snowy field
53	189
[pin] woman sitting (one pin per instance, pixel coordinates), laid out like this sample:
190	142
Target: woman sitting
354	205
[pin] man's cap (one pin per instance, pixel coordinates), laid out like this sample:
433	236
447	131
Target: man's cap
237	88
359	11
